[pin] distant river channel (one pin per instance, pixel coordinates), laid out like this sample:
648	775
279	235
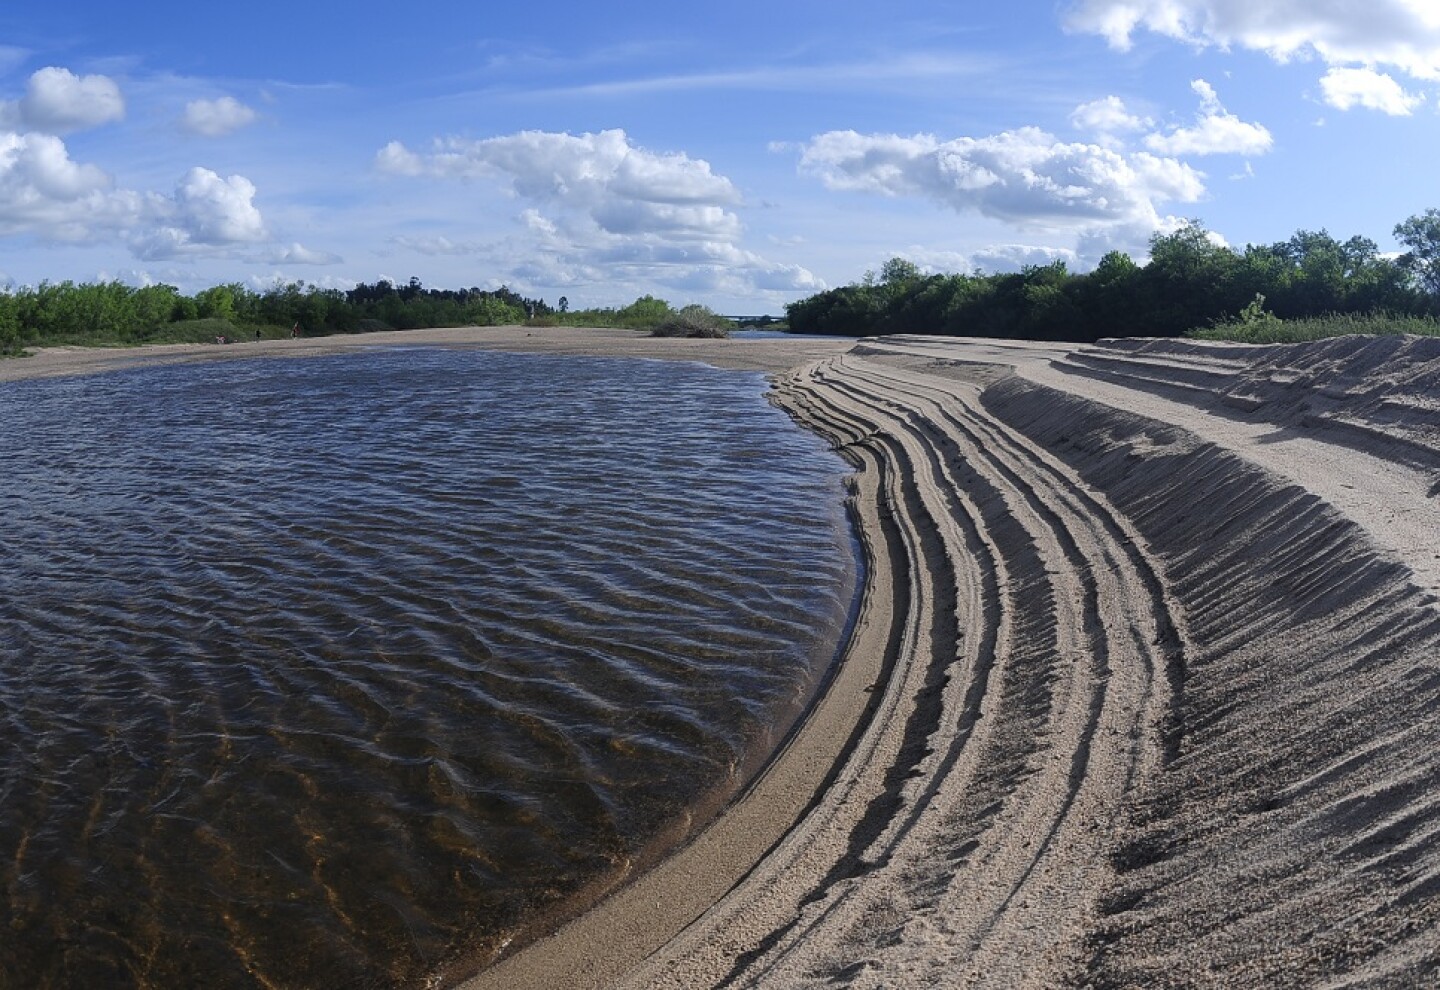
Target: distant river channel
339	672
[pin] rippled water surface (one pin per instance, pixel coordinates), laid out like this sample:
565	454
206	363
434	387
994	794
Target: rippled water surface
319	673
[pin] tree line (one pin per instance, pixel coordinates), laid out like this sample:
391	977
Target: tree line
1191	282
57	313
116	313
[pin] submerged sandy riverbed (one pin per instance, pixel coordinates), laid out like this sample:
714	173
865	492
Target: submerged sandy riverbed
1144	688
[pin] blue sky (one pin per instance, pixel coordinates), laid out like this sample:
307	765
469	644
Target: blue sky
741	155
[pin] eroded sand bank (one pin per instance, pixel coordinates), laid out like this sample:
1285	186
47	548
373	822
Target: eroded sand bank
1144	691
1150	645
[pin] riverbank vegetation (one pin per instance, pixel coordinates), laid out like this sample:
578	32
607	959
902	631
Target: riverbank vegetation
692	321
1192	284
1256	325
1304	288
114	314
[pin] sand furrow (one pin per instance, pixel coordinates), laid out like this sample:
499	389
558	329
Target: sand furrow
1043	887
972	864
830	845
967	717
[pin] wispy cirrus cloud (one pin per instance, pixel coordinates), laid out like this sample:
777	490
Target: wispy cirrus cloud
12	57
436	245
819	77
296	253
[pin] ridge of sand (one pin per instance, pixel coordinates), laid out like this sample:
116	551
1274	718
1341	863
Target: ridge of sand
1144	691
1356	421
1163	701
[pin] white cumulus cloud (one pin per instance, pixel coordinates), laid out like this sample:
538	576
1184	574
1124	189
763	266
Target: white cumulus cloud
1025	177
39	166
1216	131
45	192
216	118
605	209
207	215
216	210
57	101
396	159
1404	34
625	189
1106	117
1345	88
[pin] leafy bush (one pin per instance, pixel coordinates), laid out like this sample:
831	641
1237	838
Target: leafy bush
692	321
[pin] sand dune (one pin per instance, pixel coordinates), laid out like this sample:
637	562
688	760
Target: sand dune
1144	689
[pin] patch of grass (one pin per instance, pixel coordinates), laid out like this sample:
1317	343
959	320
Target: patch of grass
179	332
1257	326
199	332
205	331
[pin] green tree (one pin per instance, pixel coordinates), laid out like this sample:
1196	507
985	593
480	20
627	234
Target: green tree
1190	281
218	302
9	324
644	313
899	272
1421	234
152	307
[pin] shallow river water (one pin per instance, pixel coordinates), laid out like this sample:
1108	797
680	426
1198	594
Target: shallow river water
325	672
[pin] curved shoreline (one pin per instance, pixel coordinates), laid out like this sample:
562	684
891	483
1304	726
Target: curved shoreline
1156	698
1143	689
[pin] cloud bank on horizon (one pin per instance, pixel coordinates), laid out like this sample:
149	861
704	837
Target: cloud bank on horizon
607	166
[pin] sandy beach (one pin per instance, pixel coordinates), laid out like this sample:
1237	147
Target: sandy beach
737	354
1144	689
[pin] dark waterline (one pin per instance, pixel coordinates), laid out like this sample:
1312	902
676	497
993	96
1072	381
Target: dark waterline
321	673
